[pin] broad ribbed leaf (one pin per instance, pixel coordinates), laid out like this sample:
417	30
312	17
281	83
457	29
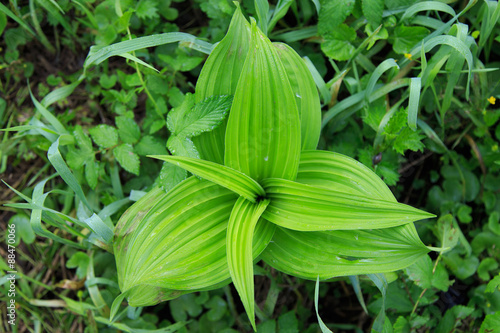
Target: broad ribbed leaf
310	208
219	76
306	95
240	231
343	252
219	174
263	132
179	243
341	173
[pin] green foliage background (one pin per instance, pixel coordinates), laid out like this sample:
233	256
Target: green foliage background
407	87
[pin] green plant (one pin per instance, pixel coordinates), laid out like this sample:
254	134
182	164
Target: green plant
263	187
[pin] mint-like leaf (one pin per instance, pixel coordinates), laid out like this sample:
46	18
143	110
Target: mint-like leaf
129	160
170	176
182	147
104	136
408	139
128	129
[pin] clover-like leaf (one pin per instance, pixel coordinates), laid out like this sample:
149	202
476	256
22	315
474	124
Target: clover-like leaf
309	208
263	131
219	174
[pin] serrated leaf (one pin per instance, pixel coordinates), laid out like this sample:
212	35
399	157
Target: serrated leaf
263	132
224	176
104	136
493	285
170	176
219	76
205	116
293	204
182	147
446	233
129	160
421	272
175	118
244	217
332	14
82	140
147	9
150	145
337	43
373	9
306	95
91	172
408	139
128	129
406	37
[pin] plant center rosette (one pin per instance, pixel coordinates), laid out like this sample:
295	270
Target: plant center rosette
260	190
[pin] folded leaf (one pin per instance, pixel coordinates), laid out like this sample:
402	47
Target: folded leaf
343	252
240	231
310	208
263	132
306	95
219	174
341	173
219	76
176	241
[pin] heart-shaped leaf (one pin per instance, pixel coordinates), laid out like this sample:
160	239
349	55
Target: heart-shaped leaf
263	132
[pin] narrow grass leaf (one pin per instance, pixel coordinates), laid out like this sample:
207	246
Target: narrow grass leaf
219	76
427	6
306	95
101	229
381	283
100	54
304	207
263	133
19	21
58	126
58	163
279	12
381	69
222	175
415	85
55	10
357	290
60	94
322	325
137	60
240	230
318	80
456	44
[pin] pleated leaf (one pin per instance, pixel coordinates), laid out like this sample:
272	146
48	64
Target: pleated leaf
263	132
219	76
310	208
341	173
219	174
178	243
343	252
240	232
306	95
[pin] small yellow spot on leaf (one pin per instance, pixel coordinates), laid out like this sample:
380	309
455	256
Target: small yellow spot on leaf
492	100
408	56
475	34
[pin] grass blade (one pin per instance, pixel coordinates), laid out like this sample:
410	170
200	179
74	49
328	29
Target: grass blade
415	85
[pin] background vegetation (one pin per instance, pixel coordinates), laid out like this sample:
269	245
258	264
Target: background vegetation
408	88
